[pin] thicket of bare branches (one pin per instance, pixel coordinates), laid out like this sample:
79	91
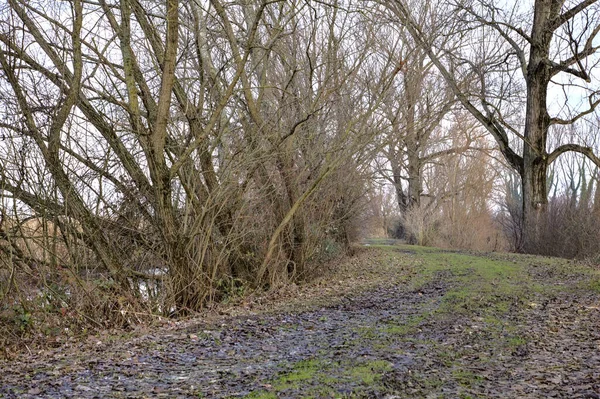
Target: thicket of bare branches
158	156
570	228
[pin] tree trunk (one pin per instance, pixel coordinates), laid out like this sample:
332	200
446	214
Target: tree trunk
188	289
401	197
535	202
415	182
596	206
537	122
413	88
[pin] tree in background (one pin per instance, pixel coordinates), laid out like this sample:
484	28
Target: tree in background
512	56
413	111
462	185
410	118
457	210
570	228
510	215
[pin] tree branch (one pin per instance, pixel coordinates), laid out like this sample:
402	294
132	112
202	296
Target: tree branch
592	108
497	27
567	15
587	151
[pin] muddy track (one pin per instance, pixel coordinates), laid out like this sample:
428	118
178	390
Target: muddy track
241	356
387	342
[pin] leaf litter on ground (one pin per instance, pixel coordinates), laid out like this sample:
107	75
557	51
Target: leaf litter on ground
391	321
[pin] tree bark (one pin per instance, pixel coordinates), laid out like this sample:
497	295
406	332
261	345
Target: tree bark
596	206
537	123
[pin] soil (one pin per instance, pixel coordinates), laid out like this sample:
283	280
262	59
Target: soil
384	325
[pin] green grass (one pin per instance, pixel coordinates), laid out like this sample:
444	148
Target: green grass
262	395
466	378
516	341
595	285
318	378
402	327
481	295
479	285
369	372
302	371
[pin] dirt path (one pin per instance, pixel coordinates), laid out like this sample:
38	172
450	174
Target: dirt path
395	323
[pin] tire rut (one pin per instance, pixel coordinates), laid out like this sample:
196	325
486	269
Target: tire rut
241	355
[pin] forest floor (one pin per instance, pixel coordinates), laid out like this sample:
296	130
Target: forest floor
390	322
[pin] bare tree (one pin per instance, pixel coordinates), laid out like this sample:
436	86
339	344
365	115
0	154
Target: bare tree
415	114
549	43
414	111
455	210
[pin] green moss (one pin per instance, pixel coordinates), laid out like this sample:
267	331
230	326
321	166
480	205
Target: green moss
262	395
302	371
466	378
369	372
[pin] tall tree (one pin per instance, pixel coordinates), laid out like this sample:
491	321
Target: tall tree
413	110
549	43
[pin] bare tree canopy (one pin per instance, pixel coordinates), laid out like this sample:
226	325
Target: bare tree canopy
511	58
